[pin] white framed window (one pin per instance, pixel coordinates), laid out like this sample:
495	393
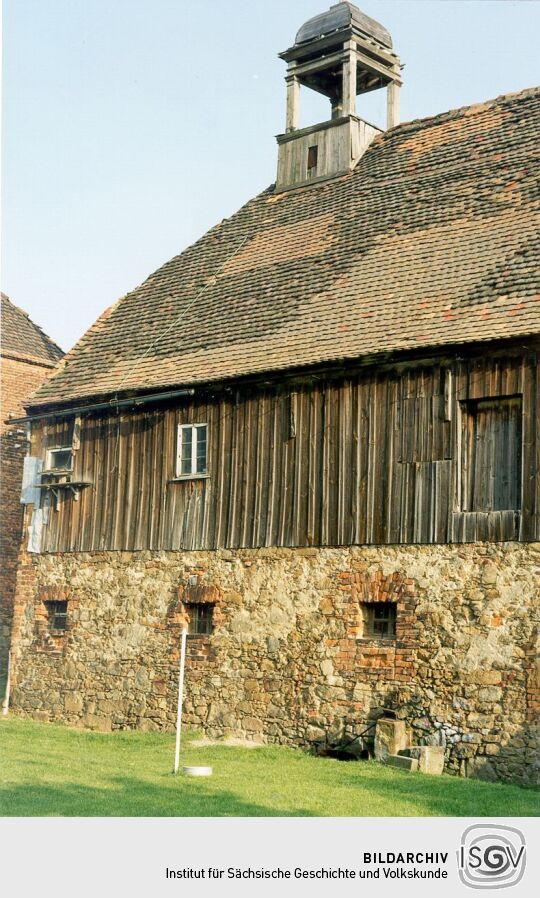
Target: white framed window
59	459
192	450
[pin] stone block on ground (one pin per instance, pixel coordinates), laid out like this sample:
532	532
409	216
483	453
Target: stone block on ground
430	757
403	762
390	737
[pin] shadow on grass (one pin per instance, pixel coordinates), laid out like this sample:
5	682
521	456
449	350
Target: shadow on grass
445	795
125	797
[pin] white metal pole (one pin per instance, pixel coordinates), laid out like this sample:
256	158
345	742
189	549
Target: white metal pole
180	699
5	703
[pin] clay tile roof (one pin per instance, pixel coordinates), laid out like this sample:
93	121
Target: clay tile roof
431	240
21	338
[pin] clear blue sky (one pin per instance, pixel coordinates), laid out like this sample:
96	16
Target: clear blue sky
132	126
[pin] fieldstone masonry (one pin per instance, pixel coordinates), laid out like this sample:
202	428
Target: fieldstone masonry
289	660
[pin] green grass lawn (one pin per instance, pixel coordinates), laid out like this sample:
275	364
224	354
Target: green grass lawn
50	770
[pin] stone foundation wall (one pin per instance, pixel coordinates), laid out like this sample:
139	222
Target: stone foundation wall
289	660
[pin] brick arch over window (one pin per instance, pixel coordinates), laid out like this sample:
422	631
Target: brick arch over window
55	593
398	657
375	586
47	639
189	595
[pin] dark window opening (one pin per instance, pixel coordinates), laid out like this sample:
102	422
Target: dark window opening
59	459
380	619
491	454
201	619
312	156
57	613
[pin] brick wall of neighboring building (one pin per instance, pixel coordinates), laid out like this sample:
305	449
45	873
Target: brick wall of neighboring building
19	378
27	358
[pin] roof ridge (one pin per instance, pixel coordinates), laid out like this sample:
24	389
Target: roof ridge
457	110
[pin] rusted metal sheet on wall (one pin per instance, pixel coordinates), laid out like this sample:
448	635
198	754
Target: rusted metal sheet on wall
374	458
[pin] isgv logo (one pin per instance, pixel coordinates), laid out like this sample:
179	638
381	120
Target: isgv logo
491	857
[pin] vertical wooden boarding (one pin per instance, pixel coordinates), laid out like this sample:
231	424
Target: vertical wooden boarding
379	470
397	468
536	514
287	479
74	519
343	532
301	450
220	470
264	461
251	448
210	416
372	448
530	471
164	459
171	527
153	492
273	444
432	454
112	449
146	445
388	462
233	476
94	430
315	465
355	456
132	451
362	460
331	438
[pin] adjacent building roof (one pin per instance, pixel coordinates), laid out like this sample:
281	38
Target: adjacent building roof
21	338
432	240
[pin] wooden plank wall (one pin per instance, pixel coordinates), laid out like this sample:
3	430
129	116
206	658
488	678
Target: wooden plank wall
372	459
340	144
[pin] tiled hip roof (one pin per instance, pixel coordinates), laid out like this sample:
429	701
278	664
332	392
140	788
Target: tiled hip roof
431	240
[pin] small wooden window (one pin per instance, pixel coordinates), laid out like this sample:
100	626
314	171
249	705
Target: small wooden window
312	156
380	618
201	618
57	614
192	450
59	460
491	454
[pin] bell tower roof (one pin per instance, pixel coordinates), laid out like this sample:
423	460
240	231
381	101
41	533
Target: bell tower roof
339	17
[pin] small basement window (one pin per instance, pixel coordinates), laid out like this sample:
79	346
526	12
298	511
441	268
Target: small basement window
192	450
57	614
380	620
312	157
59	460
201	618
491	454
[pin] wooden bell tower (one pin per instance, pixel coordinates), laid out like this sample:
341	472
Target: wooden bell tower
340	53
